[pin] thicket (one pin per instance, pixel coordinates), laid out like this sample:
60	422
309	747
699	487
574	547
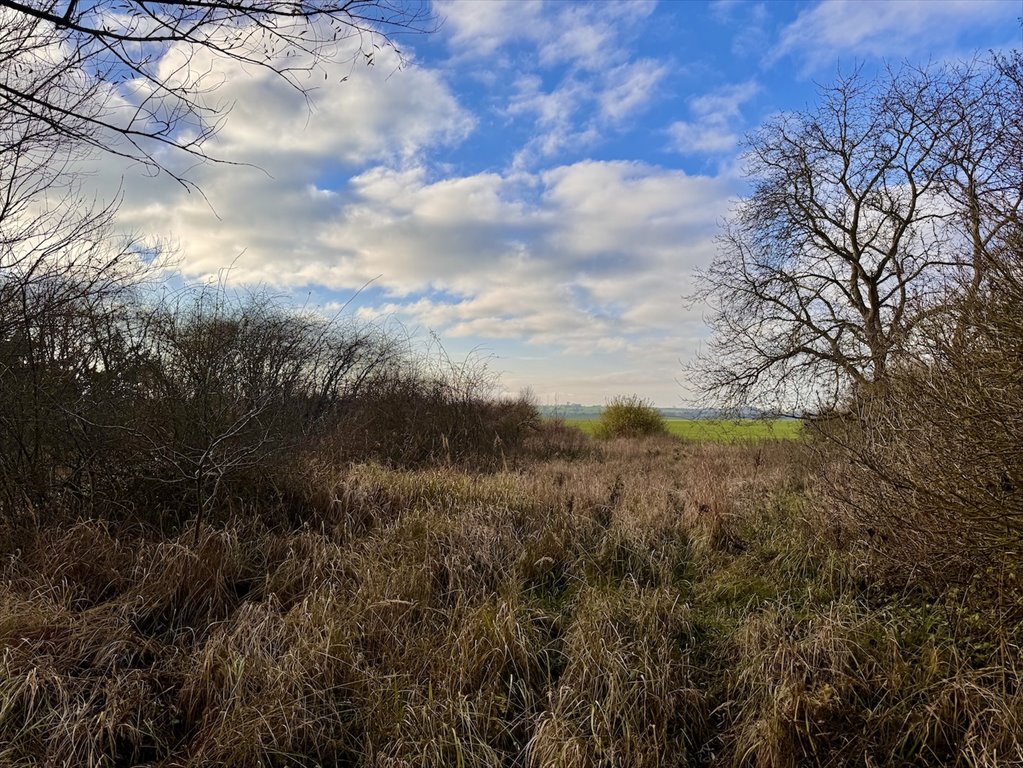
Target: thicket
117	399
123	397
931	463
629	416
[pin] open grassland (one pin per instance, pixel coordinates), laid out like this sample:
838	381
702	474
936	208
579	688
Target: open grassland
646	603
718	430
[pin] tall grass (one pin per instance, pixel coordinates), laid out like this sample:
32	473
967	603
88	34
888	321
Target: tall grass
645	603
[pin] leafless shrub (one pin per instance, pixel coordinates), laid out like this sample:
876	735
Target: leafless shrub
428	409
66	355
236	384
930	466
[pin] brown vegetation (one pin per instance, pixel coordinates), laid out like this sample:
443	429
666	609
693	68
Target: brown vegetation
649	603
930	467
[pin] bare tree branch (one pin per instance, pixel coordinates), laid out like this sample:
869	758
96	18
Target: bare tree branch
97	72
866	214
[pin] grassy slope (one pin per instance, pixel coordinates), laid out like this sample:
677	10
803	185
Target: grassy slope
654	603
719	430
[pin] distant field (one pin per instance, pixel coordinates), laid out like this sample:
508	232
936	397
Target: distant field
719	430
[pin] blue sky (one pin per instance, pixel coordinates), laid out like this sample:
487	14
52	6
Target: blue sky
539	180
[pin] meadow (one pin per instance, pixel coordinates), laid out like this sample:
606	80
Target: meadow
717	430
631	602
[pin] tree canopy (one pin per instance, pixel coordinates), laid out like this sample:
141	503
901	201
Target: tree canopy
866	213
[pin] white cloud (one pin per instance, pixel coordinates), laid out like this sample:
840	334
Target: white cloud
587	260
555	114
269	197
629	88
481	28
711	137
590	37
576	113
715	117
724	102
724	11
750	21
875	28
585	264
586	36
600	86
350	114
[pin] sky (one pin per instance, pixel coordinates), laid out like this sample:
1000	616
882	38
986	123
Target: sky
534	182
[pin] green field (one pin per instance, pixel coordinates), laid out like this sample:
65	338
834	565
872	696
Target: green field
719	430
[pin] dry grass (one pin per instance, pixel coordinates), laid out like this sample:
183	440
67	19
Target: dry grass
639	603
626	696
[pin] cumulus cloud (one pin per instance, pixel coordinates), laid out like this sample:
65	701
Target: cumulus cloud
555	113
270	191
577	112
582	263
586	36
580	260
350	113
480	29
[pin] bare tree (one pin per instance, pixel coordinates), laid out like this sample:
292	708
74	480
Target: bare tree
978	110
866	213
132	77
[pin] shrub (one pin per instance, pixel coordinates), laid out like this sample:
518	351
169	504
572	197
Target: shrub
118	402
554	439
630	416
416	412
929	466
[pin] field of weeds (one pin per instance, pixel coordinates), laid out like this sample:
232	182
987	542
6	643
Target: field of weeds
645	603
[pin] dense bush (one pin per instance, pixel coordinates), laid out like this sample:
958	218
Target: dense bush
423	409
117	401
931	466
630	416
